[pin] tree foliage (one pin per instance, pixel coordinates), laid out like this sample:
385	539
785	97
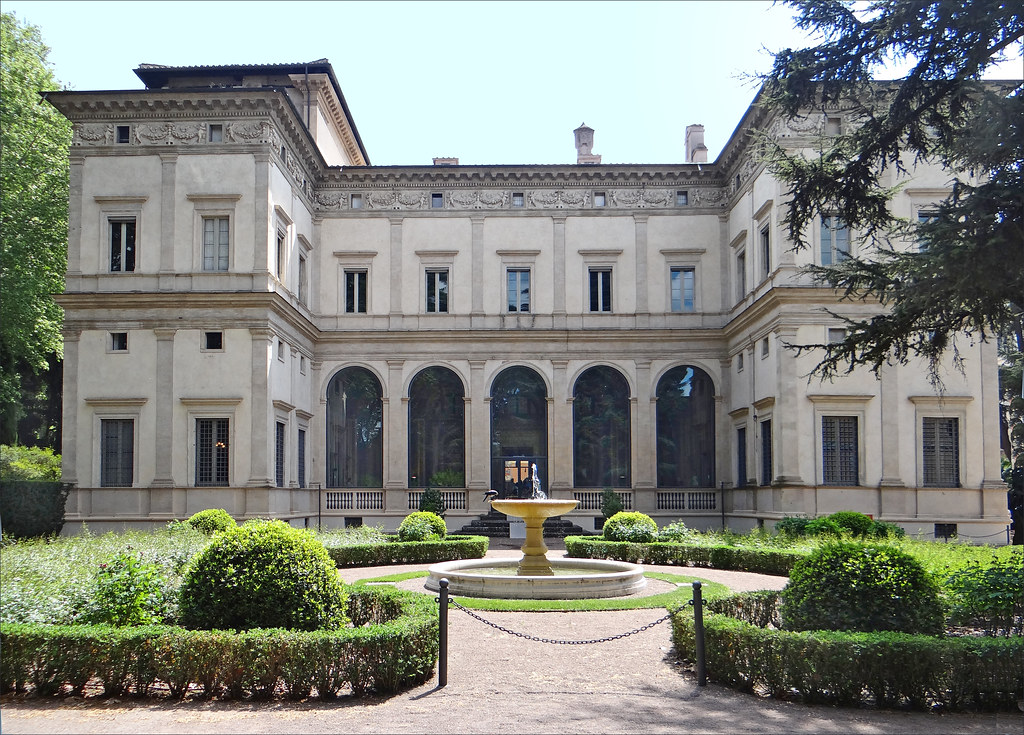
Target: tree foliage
34	141
968	273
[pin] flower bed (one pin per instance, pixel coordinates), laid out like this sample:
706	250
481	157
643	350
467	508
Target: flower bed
392	646
394	551
745	652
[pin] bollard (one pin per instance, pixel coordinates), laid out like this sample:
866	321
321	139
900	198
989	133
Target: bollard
698	634
442	636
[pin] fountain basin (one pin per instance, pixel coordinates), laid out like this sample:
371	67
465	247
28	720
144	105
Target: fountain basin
571	579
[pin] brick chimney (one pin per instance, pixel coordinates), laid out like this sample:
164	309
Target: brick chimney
585	144
696	151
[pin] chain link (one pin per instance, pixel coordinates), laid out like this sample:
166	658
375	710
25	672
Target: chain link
503	629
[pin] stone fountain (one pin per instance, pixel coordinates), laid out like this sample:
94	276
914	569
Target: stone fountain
534	576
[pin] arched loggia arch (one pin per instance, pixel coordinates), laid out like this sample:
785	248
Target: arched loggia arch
355	430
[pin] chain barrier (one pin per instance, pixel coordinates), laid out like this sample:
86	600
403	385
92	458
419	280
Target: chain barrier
555	641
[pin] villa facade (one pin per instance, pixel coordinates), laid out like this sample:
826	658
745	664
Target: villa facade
258	319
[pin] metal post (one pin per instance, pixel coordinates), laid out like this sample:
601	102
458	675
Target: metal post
442	636
698	634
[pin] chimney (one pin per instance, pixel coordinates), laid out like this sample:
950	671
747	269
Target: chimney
584	145
696	151
446	161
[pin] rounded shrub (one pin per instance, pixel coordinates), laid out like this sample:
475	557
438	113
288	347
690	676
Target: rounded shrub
823	526
631	526
885	530
675	532
792	526
264	574
422	526
211	520
861	587
854	523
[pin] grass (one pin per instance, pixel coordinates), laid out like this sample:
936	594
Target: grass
673	598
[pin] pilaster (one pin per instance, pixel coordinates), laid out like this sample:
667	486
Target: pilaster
558	264
260	454
786	420
477	254
262	240
69	409
559	428
644	430
396	274
168	175
396	468
163	404
641	288
478	445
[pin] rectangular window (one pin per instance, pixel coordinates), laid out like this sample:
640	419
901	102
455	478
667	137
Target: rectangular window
279	256
356	202
599	199
766	252
518	200
213	340
279	439
119	341
835	241
682	198
924	218
300	457
212	452
518	290
122	245
437	291
766	452
437	201
839	463
124	133
216	243
281	349
765	348
739	363
741	276
836	335
117	452
940	452
355	292
303	280
216	134
600	289
833	125
741	456
682	283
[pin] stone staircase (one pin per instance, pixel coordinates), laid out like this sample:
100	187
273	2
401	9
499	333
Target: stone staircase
495	525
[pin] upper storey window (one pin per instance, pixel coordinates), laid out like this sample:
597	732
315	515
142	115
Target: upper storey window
518	289
216	243
835	240
437	291
122	245
600	289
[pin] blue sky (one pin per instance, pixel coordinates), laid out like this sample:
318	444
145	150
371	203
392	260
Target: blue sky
487	82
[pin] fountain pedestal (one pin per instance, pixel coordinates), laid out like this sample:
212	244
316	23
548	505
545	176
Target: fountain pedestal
535	562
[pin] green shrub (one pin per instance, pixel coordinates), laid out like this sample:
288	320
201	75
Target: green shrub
422	526
611	503
792	526
675	532
854	523
885	530
849	586
212	520
716	556
990	596
38	464
631	526
263	574
823	526
127	591
32	508
431	501
393	551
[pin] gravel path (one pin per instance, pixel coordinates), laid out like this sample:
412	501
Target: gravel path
498	683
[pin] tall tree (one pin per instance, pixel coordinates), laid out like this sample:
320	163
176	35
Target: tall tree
34	141
967	275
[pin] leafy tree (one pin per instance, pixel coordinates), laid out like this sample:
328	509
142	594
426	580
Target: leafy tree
968	274
34	141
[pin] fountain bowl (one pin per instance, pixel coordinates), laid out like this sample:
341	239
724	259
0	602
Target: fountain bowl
571	579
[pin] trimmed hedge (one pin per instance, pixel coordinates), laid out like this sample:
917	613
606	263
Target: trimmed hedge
893	669
392	647
763	561
32	508
394	551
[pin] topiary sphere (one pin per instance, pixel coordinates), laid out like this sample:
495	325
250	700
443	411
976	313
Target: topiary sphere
849	586
631	526
212	520
263	574
857	524
422	526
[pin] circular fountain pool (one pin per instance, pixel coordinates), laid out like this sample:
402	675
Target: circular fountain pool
570	579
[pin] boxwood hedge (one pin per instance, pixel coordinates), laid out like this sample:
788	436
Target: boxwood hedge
408	552
392	646
892	669
764	561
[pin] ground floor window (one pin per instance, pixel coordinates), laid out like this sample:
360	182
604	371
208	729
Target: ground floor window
212	451
355	430
117	452
686	428
940	452
600	428
839	453
437	429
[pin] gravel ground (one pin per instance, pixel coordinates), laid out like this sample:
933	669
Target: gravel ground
499	683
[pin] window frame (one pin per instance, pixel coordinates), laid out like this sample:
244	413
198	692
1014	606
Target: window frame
838	405
210	408
835	456
214	207
934	466
119	209
113	340
605	295
117	481
520	272
204	340
357	291
832	223
441	277
120	409
682	307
